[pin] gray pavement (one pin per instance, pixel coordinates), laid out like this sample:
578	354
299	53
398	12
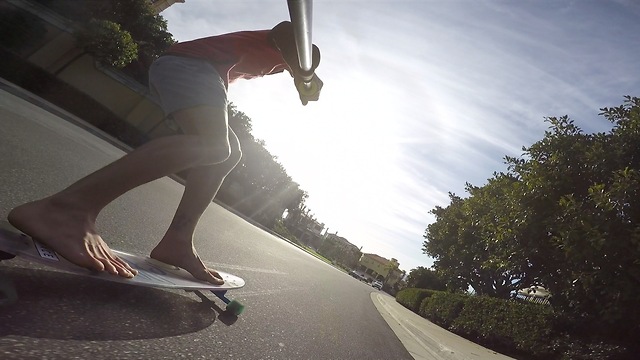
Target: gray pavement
297	306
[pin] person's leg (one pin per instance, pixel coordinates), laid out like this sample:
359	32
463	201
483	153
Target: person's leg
176	247
66	221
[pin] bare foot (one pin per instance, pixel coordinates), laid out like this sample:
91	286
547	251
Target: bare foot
185	257
71	233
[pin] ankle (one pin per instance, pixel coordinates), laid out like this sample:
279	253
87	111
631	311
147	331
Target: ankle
182	227
69	204
175	241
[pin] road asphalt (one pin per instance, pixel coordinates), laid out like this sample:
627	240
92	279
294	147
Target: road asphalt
421	338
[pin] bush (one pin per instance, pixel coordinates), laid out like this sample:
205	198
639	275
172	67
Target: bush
108	43
412	298
520	329
525	327
443	308
280	228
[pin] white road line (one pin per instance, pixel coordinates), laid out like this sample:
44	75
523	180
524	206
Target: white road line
245	268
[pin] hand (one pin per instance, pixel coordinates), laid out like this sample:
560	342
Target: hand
308	91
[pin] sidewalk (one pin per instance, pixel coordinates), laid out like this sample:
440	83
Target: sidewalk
425	340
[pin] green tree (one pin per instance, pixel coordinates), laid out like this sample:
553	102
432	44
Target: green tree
471	244
584	210
500	265
565	216
263	189
108	43
147	30
424	278
335	250
443	239
392	267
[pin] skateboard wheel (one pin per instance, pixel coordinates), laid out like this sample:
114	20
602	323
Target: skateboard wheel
235	307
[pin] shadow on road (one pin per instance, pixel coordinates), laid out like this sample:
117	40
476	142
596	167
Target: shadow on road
57	305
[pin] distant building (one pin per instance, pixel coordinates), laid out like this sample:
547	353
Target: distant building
342	242
315	227
159	6
381	269
305	228
340	250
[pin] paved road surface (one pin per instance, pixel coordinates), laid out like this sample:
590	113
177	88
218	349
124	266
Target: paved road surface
297	306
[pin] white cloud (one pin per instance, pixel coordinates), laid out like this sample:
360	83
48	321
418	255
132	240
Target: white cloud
421	97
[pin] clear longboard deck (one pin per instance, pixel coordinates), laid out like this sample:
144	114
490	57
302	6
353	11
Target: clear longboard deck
151	273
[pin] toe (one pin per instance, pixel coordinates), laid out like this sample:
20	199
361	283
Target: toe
216	279
208	276
96	265
108	266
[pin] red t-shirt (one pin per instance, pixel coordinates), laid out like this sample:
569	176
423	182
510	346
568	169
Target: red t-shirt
239	55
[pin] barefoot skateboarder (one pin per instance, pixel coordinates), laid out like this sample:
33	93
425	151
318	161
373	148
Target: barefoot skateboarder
190	83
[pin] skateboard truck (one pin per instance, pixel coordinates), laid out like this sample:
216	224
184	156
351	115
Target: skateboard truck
233	306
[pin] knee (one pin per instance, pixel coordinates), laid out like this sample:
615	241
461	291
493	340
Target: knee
223	151
213	152
223	155
234	158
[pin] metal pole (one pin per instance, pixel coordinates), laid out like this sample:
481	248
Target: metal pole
301	13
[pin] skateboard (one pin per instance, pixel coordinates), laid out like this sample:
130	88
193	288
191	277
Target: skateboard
151	273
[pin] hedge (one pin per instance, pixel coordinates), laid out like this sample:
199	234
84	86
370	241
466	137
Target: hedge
525	327
443	308
411	298
511	327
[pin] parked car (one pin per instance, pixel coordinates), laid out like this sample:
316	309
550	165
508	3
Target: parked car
377	284
358	276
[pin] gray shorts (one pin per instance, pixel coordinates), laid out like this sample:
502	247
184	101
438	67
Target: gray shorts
177	83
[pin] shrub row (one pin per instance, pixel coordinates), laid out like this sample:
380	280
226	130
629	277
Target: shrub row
412	298
511	327
520	329
502	324
443	308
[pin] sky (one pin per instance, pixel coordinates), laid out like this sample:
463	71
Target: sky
421	97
